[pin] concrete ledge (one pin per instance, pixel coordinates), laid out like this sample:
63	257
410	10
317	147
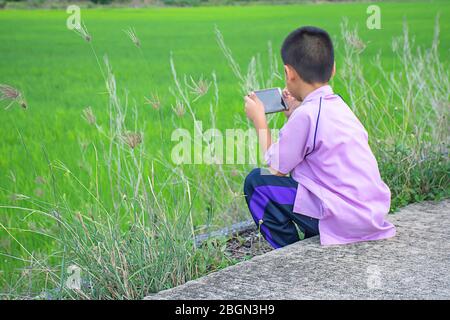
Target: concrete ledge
415	264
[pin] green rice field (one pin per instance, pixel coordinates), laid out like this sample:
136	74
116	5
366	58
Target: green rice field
53	163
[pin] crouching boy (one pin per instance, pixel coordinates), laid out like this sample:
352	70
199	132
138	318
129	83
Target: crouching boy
322	176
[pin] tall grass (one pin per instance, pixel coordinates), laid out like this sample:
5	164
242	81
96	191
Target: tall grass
408	119
135	234
129	223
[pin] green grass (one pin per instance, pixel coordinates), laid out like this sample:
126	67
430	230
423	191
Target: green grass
59	75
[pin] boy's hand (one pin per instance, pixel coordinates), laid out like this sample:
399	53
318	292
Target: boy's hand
291	102
254	108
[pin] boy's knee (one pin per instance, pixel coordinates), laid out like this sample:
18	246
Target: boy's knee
250	180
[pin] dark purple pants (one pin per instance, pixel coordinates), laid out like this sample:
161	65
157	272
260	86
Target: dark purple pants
270	200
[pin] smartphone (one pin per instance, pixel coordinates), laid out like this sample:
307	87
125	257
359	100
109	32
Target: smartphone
272	100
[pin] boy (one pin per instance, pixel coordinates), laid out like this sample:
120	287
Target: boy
334	188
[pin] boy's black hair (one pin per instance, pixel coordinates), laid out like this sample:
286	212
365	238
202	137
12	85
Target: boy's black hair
309	50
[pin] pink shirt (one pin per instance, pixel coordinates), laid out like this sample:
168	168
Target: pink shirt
325	148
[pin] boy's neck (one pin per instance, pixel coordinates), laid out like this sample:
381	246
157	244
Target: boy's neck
308	88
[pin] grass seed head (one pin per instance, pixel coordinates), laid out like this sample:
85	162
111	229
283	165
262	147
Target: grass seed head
40	180
39	192
12	94
351	37
198	88
83	32
178	108
153	101
132	139
131	33
89	116
356	43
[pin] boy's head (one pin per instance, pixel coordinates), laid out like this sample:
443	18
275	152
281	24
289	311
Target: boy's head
308	57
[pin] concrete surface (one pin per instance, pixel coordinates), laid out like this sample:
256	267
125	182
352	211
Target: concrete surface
415	264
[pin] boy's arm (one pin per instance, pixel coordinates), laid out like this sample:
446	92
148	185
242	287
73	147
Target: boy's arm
294	143
255	112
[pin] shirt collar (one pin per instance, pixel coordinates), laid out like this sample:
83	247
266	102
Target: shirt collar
319	92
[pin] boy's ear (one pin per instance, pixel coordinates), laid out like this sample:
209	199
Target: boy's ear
289	72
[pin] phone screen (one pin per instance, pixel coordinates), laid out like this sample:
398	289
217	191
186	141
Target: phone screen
272	100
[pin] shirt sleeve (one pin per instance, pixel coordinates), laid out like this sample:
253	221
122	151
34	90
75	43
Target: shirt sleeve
293	145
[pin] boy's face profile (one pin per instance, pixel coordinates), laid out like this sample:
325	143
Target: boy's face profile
297	86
